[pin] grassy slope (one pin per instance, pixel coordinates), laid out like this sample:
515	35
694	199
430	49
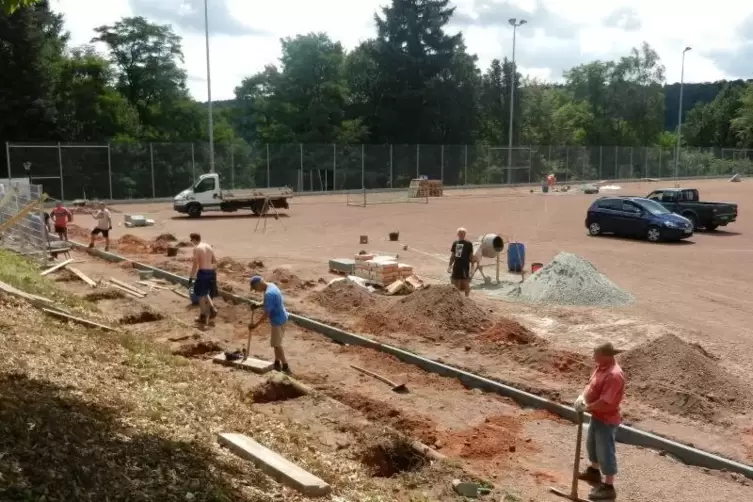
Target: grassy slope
91	416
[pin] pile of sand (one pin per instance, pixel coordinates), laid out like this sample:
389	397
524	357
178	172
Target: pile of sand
683	379
432	311
344	296
572	280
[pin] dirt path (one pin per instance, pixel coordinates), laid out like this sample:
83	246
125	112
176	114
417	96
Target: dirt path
520	450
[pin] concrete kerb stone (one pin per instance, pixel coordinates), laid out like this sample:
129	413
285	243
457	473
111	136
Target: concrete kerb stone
625	434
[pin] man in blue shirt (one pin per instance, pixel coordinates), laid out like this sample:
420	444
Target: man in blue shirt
274	310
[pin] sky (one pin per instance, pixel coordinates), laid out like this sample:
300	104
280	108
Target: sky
559	34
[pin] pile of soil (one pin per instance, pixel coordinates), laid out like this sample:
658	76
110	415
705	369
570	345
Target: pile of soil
681	378
507	331
344	296
230	265
75	232
134	245
497	436
572	280
288	281
429	312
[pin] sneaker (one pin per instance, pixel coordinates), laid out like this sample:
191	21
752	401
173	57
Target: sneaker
91	246
277	366
107	248
286	369
590	475
201	320
603	492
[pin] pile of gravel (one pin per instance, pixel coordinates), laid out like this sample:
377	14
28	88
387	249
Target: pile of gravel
572	280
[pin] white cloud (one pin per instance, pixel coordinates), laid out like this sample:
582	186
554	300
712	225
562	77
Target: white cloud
559	32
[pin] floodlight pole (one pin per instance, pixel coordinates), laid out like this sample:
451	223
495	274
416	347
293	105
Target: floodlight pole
209	90
679	118
514	23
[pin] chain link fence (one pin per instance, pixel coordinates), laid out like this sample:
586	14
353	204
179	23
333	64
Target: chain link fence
134	170
23	228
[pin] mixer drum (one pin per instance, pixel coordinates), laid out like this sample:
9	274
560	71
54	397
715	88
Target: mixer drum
491	245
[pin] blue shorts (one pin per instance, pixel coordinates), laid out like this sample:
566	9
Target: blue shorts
600	444
205	284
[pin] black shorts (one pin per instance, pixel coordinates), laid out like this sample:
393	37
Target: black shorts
105	233
461	274
60	230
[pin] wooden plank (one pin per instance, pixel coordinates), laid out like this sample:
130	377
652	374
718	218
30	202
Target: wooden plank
180	293
56	267
79	320
127	286
250	364
275	465
126	290
7	288
83	277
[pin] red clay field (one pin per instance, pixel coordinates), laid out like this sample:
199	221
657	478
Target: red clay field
687	337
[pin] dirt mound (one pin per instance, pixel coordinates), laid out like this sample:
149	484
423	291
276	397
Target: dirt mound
430	312
131	244
507	331
274	391
288	281
497	436
166	238
572	280
344	296
77	232
226	264
681	378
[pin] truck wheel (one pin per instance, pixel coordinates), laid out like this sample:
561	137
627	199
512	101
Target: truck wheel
693	220
653	234
194	211
257	206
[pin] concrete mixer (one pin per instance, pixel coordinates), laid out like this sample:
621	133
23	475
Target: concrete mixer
487	246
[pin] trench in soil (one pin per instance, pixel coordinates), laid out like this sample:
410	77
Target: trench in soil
141	317
273	391
391	457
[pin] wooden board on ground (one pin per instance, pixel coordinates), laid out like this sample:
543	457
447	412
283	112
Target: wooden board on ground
79	320
250	364
275	465
33	299
126	290
180	293
56	267
83	277
127	286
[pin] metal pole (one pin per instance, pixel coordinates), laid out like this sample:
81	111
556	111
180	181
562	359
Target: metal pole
60	164
209	90
601	158
465	165
151	162
515	23
441	165
193	163
7	158
391	167
109	168
334	166
530	160
418	160
363	172
616	162
268	173
632	173
679	117
645	162
300	168
232	168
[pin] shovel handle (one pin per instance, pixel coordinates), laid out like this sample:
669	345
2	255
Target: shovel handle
576	461
374	375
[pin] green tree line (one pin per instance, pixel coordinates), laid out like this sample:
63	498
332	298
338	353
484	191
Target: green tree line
413	83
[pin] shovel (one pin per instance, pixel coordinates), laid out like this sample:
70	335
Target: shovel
400	388
573	495
248	343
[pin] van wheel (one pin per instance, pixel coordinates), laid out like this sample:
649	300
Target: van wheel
594	229
653	234
194	211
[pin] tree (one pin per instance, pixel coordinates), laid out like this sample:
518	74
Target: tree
710	124
742	124
147	61
8	7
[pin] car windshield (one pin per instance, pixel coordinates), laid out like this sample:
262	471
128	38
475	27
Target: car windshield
653	207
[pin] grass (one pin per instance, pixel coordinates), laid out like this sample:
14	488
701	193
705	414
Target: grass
24	275
92	417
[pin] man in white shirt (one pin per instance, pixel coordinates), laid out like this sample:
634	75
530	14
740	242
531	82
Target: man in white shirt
103	226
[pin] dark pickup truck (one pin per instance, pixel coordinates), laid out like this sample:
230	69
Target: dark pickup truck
686	202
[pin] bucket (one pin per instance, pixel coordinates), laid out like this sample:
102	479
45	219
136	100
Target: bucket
194	298
516	256
545	188
535	267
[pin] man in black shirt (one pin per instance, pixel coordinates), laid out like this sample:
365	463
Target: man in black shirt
461	257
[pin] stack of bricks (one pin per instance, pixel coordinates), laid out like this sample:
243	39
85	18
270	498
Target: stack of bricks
426	188
404	271
381	270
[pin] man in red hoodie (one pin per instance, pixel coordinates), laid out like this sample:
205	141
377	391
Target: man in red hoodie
601	398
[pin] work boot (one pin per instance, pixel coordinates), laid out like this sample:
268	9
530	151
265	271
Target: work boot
277	366
286	369
590	475
602	492
201	320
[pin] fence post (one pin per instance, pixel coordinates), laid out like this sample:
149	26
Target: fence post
645	162
301	186
109	168
632	171
60	164
465	165
530	159
441	165
232	167
151	163
418	160
7	158
601	159
567	162
391	168
363	172
193	163
268	175
616	162
334	167
549	156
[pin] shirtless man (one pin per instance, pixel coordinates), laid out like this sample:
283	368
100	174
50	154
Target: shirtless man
203	278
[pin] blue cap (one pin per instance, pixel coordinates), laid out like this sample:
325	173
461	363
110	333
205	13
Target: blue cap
255	280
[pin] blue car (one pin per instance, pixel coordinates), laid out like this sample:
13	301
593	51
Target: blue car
636	217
